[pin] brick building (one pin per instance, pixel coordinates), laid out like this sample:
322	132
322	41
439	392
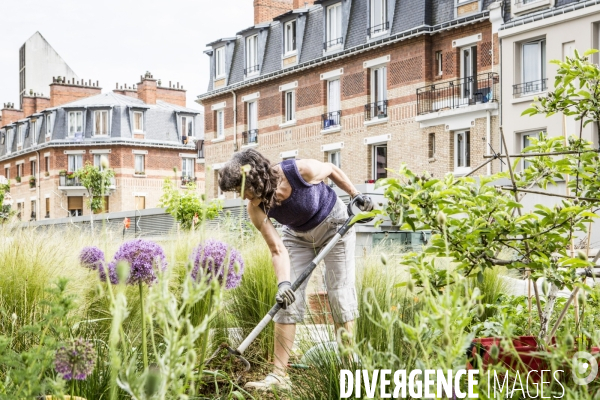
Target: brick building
145	131
364	84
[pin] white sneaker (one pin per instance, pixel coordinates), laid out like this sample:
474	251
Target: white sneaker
271	381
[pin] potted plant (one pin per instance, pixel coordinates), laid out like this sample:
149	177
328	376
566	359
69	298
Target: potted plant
31	181
62	172
47	174
18	179
140	172
70	175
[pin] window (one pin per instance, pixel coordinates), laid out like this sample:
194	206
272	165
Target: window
187	126
378	106
32	167
534	67
21	135
7	172
252	55
33	209
9	140
526	142
140	202
34	138
187	168
333	104
290	37
379	24
48	124
47	207
140	164
468	71
138	121
98	161
334	158
438	60
431	145
252	116
47	165
220	116
75	123
379	161
220	62
19	170
334	26
462	149
101	123
290	106
19	210
75	206
74	162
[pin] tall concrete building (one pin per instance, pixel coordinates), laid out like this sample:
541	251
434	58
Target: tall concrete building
38	64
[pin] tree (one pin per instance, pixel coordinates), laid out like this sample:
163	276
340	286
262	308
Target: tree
97	183
187	206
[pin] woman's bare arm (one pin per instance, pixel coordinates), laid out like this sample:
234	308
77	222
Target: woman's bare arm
279	254
314	172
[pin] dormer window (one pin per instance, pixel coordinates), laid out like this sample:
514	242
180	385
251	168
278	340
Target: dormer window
334	37
21	135
187	126
101	123
138	122
379	20
290	37
251	55
75	120
220	62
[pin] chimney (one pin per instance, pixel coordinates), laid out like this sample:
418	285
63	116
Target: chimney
63	91
173	95
10	114
146	89
266	10
303	3
34	103
131	92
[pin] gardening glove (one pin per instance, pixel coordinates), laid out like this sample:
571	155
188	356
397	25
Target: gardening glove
285	295
364	203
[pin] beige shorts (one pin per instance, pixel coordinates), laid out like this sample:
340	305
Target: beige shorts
340	272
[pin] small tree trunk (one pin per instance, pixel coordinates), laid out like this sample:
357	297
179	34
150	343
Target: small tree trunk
547	314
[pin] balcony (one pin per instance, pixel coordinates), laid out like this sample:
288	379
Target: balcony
251	70
185	179
529	88
331	120
68	182
376	110
74	186
333	43
250	137
378	29
458	93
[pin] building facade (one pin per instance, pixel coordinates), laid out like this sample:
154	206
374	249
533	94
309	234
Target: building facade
366	85
146	133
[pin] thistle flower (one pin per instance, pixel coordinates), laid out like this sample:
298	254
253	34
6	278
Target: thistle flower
91	257
211	259
76	360
141	255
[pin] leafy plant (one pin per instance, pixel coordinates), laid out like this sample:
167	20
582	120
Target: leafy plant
96	182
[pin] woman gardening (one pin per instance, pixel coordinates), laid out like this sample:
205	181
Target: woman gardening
295	194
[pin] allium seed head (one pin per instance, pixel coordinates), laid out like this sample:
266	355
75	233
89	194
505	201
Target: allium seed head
76	360
91	257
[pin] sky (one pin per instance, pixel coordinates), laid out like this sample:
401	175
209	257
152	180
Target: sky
118	40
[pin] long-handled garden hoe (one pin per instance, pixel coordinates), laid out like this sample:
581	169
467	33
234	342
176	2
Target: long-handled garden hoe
238	353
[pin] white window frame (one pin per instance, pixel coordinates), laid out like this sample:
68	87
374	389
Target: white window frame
431	145
186	120
289	106
98	160
252	54
378	89
541	57
382	21
289	38
78	118
48	125
220	128
189	162
334	157
141	128
7	172
21	135
34	138
139	159
465	165
9	140
252	113
102	128
72	160
220	62
374	159
337	24
439	61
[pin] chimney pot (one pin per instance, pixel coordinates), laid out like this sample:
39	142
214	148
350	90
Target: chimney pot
169	83
117	85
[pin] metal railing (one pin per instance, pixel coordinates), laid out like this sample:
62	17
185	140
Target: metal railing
185	179
250	137
331	119
376	110
526	88
458	93
333	42
251	70
378	28
64	180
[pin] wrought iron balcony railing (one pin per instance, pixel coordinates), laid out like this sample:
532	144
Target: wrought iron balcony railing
333	42
377	29
458	93
185	179
250	137
64	180
527	88
251	70
376	110
331	119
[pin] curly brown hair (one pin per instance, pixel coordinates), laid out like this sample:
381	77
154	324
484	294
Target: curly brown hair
261	180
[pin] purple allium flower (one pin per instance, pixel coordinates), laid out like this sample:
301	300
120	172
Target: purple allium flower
91	257
210	259
76	360
142	255
112	273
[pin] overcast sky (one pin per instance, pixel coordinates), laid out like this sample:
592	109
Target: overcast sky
119	40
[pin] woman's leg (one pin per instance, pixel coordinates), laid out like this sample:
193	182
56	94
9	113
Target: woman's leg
284	340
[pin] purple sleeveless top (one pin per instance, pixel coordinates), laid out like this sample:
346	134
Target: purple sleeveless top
307	206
